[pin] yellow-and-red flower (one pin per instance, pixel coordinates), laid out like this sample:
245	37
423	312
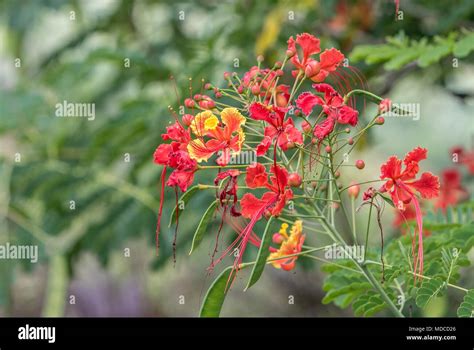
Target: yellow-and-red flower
290	244
213	135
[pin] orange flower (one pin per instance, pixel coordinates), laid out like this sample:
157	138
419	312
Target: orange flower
225	136
291	244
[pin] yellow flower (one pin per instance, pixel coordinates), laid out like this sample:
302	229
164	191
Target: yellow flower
291	244
226	139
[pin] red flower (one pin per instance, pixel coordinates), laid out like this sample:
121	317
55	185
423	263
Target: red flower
452	192
309	45
175	155
329	60
284	131
402	186
333	106
272	201
465	157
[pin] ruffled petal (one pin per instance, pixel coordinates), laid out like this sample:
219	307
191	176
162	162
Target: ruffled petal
256	176
391	169
427	185
306	102
347	115
161	155
232	118
324	128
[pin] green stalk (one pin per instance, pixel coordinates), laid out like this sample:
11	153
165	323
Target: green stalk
56	290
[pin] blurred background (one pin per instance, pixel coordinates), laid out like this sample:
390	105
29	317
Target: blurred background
86	191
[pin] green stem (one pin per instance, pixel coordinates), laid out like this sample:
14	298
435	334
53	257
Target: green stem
56	290
354	234
381	291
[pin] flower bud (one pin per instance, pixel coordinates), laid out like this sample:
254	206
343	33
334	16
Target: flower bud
207	104
360	164
255	89
306	127
187	119
278	238
208	86
328	149
385	105
353	190
260	58
294	180
189	103
380	121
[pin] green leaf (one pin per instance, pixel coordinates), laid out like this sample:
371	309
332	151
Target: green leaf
185	199
368	304
466	309
343	286
464	46
429	289
400	51
388	200
215	296
202	227
262	255
433	54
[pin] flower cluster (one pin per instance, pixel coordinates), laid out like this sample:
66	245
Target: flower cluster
282	116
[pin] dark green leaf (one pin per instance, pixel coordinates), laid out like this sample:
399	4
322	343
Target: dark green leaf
185	199
215	296
262	255
202	227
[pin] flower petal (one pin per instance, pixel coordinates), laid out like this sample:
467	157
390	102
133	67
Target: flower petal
391	169
330	59
306	102
347	115
427	185
324	128
161	155
256	176
232	118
